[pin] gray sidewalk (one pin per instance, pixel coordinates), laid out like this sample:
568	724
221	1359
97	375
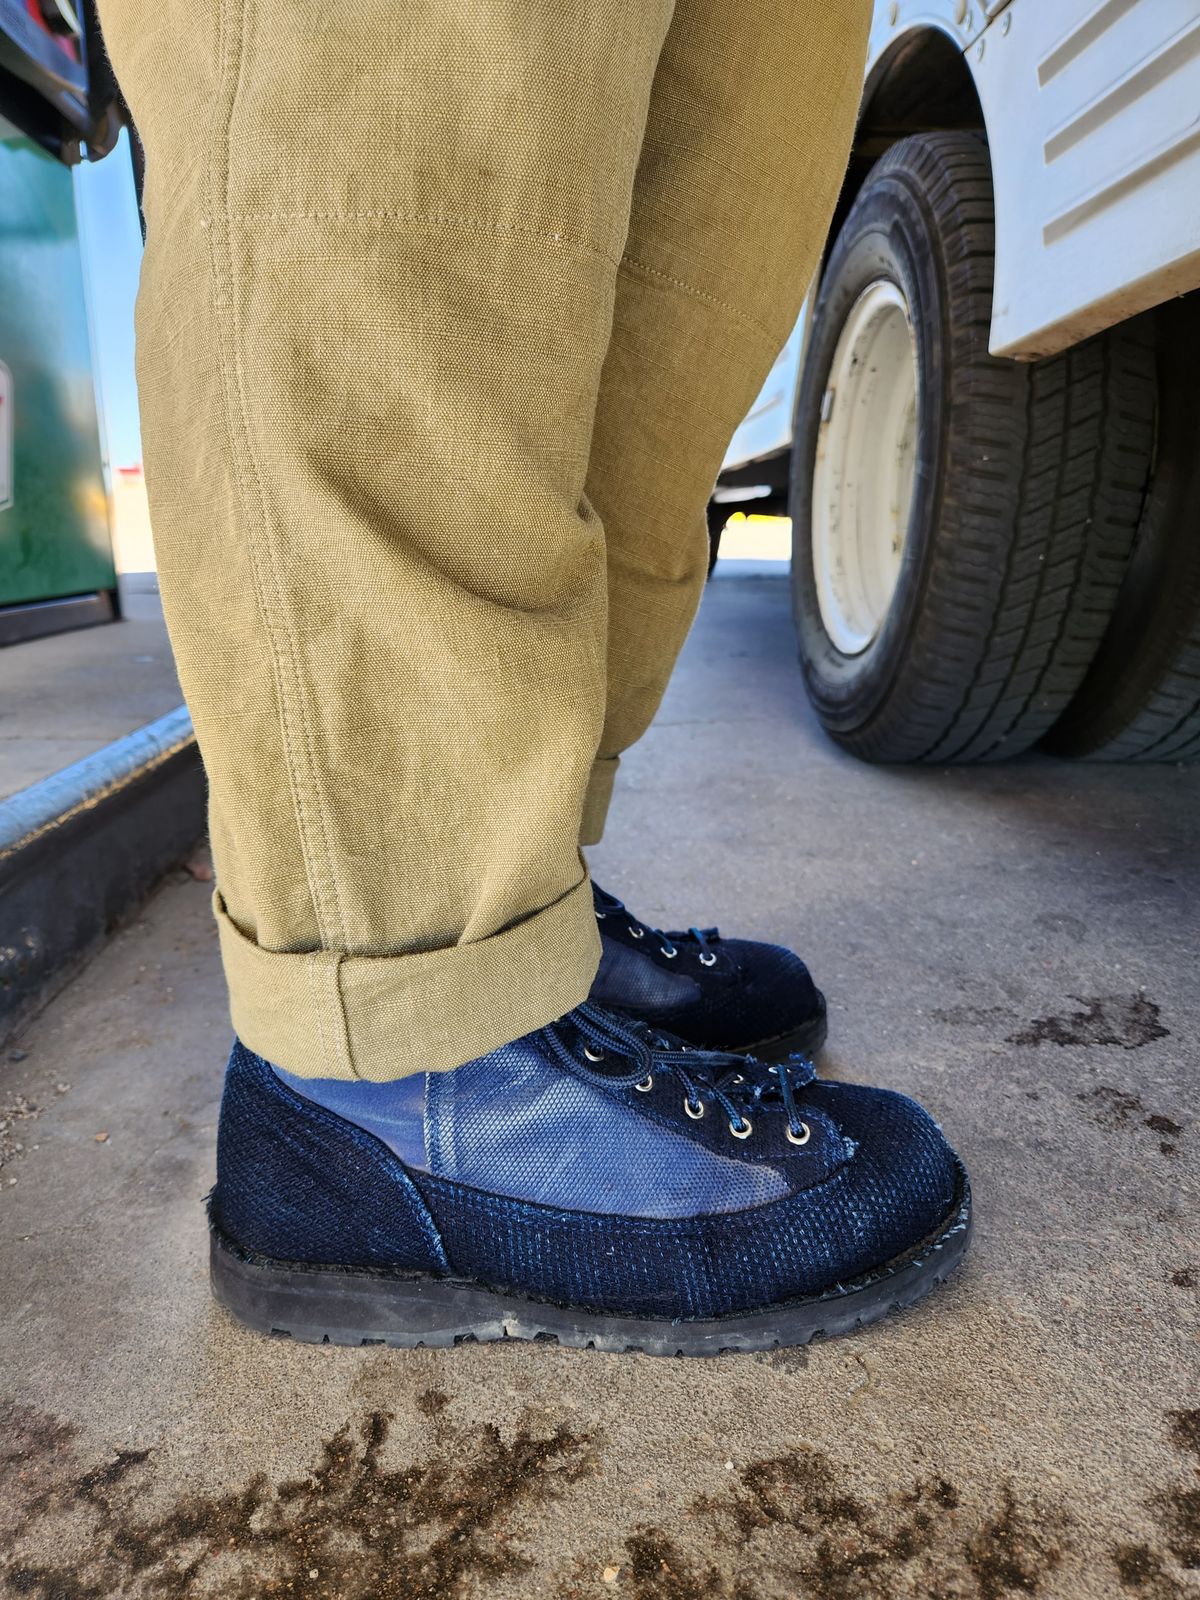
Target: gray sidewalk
67	695
1015	946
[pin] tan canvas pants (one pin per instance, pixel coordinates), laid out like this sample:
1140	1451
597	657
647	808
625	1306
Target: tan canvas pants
448	311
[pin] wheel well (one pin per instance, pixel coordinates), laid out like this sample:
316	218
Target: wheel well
921	84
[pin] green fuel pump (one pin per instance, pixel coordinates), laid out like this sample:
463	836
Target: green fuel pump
56	562
58	102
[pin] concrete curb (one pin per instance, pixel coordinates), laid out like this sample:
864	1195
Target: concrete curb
81	848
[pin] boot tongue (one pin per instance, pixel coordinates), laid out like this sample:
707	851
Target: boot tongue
689	935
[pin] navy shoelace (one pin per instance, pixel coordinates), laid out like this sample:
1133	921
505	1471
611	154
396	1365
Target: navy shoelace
706	1076
668	942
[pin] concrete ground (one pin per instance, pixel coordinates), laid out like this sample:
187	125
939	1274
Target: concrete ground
1016	946
69	694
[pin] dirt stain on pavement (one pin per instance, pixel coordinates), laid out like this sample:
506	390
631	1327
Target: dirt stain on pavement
1145	1572
1179	1514
449	1525
799	1518
1127	1021
1115	1108
1185	1431
655	1569
799	1524
353	1527
432	1402
1178	1508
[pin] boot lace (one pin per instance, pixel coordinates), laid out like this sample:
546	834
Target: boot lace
707	1077
668	943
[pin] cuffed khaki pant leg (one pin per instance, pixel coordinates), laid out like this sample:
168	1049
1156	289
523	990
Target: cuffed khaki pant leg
375	303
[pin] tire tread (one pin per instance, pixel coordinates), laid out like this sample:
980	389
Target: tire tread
1044	472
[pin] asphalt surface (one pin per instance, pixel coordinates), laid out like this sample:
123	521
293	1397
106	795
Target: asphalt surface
1016	946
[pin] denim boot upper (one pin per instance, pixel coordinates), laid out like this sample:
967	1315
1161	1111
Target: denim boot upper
588	1164
720	994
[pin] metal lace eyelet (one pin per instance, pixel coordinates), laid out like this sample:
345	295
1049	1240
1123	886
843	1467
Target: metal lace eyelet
695	1113
600	915
593	1055
635	932
802	1137
646	1084
744	1132
669	951
738	1078
708	960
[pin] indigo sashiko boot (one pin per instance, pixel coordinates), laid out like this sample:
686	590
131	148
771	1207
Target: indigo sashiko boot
594	1183
719	994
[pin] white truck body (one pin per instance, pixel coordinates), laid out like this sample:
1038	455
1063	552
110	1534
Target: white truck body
1091	110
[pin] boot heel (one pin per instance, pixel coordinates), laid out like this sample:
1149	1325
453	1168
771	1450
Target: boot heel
321	1305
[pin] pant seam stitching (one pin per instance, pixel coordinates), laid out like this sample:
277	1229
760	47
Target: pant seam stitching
344	1048
432	220
329	885
231	52
319	1000
316	1000
632	263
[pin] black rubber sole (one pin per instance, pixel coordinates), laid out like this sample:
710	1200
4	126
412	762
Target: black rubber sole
331	1305
806	1040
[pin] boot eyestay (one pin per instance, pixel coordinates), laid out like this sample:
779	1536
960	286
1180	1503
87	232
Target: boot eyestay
596	1035
698	938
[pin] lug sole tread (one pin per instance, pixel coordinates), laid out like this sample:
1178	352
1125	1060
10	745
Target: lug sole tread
286	1300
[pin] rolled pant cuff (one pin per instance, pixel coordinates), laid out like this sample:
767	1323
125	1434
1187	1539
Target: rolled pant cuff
327	1015
597	798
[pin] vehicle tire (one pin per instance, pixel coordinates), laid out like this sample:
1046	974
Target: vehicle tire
961	531
1140	700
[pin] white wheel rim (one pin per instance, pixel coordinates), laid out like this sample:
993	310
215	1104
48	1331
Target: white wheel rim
864	467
